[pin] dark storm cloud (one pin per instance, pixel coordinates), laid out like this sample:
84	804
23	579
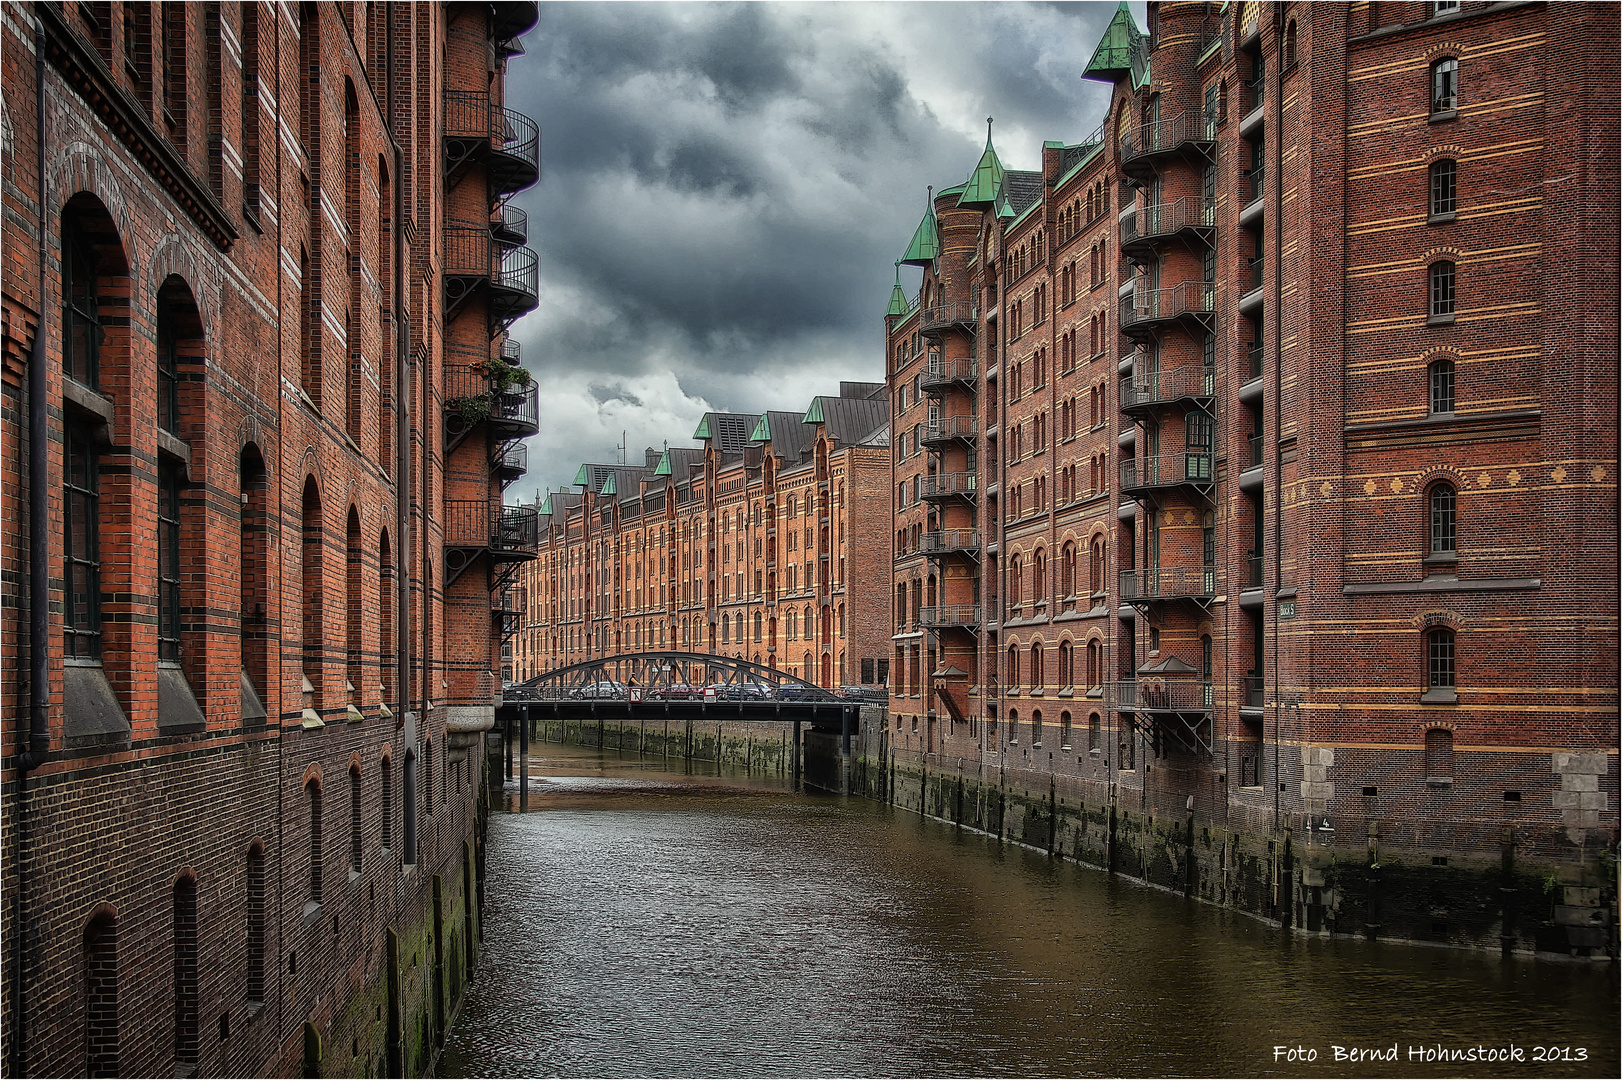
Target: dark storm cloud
727	186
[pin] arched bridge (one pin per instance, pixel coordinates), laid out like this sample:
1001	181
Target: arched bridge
681	684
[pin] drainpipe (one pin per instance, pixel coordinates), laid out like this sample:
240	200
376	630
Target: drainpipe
39	608
1277	388
405	719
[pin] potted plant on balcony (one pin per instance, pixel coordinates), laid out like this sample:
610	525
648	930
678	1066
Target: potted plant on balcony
505	379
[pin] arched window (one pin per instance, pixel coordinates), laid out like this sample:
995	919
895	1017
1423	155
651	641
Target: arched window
1445	85
1036	728
1016	579
255	912
185	945
1067	670
1039	672
1039	574
1095	566
356	852
1439	755
386	776
1067	569
1441	385
1290	45
1013	667
101	993
1443	501
312	795
310	587
1444	190
1094	667
1094	733
1064	730
385	618
1441	290
352	611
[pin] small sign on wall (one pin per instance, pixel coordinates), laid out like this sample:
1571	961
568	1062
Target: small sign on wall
1286	609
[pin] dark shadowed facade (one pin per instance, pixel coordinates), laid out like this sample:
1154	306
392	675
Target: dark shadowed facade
257	401
1256	474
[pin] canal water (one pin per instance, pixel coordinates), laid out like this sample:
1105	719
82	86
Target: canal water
641	921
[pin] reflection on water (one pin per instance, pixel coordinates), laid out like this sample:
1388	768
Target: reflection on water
646	922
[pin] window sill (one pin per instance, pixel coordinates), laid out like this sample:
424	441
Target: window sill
1443	116
1438	783
1439	695
1442	558
1442	219
93	403
1441	320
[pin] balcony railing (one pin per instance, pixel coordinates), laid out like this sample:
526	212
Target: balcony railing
1165	136
1165	470
1254	354
507	141
510	275
1162	695
1255	93
1256	449
1147	224
959	485
508	532
947	541
511	227
1158	387
951	428
945	615
939	317
1252	279
1187	298
1253	563
1253	185
1169	583
1255	692
941	374
512	461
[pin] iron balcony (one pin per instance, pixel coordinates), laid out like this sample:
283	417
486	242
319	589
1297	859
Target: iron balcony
508	533
1145	228
1162	695
1146	391
941	375
949	541
944	616
511	461
1187	132
1165	471
947	429
508	276
1145	310
508	142
1168	583
511	226
942	486
941	317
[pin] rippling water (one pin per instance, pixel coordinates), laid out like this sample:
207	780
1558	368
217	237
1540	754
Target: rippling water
647	923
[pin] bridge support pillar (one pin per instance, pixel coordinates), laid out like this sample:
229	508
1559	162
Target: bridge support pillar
796	755
523	762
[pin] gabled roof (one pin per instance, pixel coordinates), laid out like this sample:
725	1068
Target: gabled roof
592	476
729	430
1122	51
898	299
786	432
1023	190
850	421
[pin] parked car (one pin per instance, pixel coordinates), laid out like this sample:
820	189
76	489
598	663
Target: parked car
744	691
673	692
604	689
799	692
866	695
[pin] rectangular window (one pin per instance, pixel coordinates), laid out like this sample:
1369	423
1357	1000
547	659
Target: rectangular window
168	563
1441	388
1443	506
81	554
1440	648
1445	86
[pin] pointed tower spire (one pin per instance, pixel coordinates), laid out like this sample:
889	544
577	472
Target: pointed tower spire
898	299
986	180
926	240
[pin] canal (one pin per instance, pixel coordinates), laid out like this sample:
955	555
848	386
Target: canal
643	921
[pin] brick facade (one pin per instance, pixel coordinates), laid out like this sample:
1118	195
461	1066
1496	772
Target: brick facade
247	838
1256	460
753	545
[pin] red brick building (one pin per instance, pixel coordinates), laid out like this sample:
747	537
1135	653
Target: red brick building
749	546
1255	465
259	268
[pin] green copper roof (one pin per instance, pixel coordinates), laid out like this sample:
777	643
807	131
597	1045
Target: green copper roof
582	477
958	190
813	415
926	241
546	507
1122	51
763	431
703	430
1005	209
986	180
609	487
898	299
663	468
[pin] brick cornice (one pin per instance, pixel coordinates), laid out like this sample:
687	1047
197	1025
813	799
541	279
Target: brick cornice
81	65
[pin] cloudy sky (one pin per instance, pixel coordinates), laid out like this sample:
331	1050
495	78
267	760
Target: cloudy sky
725	189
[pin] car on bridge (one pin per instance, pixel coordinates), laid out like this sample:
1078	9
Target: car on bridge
865	695
674	692
606	688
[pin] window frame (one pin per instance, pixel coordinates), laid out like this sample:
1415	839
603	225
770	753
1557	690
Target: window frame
1444	75
1441	292
1441	386
1441	666
1443	190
